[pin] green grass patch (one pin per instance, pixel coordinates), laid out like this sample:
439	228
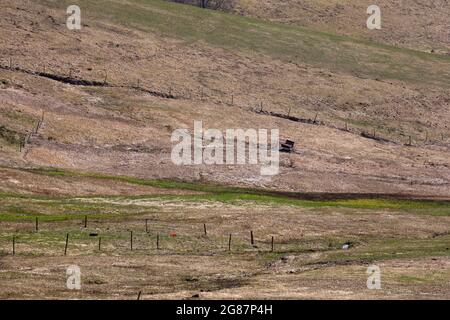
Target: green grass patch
395	248
413	279
39	204
10	136
60	209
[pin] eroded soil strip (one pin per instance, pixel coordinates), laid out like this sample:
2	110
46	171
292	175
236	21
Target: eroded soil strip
86	83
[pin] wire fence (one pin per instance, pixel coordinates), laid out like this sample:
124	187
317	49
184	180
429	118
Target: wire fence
206	94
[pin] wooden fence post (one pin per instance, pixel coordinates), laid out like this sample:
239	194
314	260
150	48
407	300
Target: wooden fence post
131	240
252	242
157	241
67	243
37	224
229	243
204	228
272	243
146	225
14	245
85	221
100	244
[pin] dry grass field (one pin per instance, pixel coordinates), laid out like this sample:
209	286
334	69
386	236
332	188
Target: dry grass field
96	109
408	239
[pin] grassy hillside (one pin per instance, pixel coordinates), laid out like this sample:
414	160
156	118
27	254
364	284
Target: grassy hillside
167	64
86	174
279	41
421	25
